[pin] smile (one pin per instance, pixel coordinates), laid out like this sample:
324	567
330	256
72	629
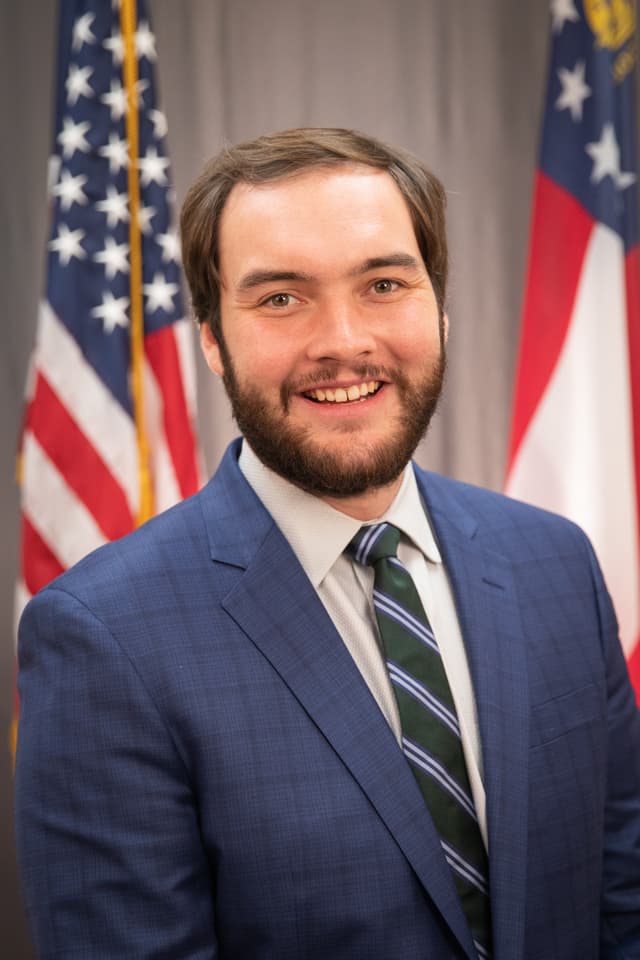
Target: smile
355	392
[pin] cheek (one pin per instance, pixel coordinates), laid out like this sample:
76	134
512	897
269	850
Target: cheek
270	351
413	339
265	368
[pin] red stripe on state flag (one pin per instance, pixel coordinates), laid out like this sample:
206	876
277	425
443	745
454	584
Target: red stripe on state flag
84	471
632	280
560	233
39	563
162	354
633	663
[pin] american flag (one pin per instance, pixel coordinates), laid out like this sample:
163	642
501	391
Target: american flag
575	444
108	434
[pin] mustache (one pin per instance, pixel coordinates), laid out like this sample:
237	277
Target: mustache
364	371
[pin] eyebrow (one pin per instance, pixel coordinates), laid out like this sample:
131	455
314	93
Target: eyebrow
256	278
391	260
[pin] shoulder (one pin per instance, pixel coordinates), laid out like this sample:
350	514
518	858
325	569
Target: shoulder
163	542
141	578
555	571
173	545
503	523
172	574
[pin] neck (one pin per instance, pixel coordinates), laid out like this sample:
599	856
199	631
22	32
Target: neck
369	505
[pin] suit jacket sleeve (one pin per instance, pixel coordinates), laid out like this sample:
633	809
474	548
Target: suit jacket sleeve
620	920
108	841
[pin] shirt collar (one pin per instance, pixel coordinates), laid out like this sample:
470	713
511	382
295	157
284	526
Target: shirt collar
317	533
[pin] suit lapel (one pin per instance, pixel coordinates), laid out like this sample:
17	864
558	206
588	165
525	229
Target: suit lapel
276	606
487	605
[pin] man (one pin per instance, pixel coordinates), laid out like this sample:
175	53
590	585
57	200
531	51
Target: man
249	730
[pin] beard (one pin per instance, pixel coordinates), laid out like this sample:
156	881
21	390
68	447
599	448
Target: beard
320	468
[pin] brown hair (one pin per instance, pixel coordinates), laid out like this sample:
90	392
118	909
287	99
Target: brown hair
285	154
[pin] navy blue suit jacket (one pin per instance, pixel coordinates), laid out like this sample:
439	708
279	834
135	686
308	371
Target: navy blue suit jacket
202	771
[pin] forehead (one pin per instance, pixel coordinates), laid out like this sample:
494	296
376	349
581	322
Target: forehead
323	214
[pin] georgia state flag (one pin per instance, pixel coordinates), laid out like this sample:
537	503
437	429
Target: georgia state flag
575	443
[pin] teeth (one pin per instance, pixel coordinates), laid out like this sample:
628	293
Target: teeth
342	394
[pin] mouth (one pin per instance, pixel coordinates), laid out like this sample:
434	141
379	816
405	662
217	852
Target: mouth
355	393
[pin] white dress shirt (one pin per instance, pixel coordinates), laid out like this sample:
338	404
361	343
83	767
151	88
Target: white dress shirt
318	535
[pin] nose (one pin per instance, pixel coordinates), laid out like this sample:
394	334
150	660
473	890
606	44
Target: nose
341	332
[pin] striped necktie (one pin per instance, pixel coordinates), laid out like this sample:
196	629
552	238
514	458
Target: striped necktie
430	730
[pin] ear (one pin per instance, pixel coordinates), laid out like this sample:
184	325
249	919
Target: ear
445	326
210	349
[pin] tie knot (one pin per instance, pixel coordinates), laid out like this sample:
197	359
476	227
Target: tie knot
374	543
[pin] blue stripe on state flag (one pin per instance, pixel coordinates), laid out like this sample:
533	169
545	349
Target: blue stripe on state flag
588	144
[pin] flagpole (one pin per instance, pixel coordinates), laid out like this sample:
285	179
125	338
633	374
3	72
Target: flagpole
130	73
93	462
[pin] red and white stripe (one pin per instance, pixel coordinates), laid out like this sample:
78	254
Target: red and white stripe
79	455
575	445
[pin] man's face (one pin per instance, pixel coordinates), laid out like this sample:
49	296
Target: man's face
332	352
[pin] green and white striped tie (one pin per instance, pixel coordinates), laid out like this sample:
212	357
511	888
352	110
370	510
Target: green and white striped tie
430	729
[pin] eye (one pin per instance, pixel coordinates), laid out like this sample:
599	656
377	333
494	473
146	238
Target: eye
384	286
280	300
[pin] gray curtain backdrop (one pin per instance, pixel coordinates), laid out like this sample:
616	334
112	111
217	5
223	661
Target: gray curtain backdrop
459	83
